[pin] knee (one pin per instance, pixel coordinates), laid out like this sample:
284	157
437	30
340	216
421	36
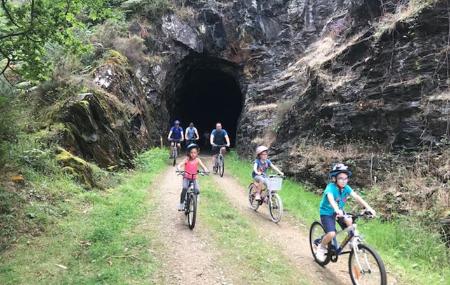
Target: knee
331	234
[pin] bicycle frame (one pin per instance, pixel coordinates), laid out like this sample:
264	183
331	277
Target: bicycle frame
353	238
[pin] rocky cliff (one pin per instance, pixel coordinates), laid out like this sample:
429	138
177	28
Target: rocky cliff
359	81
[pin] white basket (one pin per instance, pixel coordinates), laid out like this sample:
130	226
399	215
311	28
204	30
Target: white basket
274	183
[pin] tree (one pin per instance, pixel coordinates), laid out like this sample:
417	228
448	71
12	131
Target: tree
27	26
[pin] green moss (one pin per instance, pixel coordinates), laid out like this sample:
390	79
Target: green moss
74	164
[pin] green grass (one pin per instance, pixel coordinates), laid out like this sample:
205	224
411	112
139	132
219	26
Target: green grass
410	250
95	242
254	261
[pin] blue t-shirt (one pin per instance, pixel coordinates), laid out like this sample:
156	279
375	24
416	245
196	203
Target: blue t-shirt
340	197
176	133
219	137
262	167
191	133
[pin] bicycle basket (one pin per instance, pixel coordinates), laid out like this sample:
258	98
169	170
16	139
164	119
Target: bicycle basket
274	183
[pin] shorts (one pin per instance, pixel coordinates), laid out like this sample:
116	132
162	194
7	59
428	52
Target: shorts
216	150
329	222
196	185
260	179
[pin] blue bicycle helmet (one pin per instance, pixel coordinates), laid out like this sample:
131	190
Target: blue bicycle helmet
338	169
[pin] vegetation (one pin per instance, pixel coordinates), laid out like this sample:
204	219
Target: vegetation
252	259
94	241
410	247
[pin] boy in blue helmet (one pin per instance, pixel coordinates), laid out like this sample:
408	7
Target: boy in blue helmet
332	206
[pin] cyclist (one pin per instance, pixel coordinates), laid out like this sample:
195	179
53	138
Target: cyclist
219	137
191	134
176	135
332	206
260	167
190	165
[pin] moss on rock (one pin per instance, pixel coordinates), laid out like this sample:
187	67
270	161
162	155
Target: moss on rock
76	166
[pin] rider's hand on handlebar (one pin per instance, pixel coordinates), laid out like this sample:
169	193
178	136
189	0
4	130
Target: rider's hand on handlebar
339	213
372	212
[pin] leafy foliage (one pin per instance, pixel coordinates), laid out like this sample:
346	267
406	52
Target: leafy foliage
28	27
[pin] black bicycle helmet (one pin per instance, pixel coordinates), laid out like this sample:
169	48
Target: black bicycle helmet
191	146
338	169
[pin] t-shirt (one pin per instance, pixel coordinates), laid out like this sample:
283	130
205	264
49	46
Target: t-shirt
340	197
219	136
191	133
191	168
176	133
262	166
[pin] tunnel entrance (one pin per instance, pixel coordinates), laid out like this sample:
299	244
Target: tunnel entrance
206	90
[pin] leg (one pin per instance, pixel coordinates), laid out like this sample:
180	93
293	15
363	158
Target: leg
223	150
196	187
329	224
183	194
259	182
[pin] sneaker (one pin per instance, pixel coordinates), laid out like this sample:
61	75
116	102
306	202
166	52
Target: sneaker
321	253
181	207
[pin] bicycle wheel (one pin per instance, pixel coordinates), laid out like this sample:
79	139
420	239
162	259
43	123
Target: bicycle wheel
366	267
175	153
316	232
275	208
192	210
221	166
254	205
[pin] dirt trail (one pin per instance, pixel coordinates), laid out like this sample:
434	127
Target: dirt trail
187	256
289	235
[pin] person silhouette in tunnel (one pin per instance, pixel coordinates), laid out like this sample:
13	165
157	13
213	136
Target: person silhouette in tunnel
176	135
219	140
191	134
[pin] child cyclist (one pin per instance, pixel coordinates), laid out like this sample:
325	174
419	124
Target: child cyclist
260	167
332	206
190	166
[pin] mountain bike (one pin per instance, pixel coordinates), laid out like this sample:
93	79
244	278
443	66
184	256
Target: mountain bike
174	150
364	264
219	166
190	200
269	196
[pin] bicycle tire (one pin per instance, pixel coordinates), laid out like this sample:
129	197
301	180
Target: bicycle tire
254	205
355	274
313	236
175	154
192	210
275	215
221	166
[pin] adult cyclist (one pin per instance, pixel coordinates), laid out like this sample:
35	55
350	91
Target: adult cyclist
191	134
176	135
219	139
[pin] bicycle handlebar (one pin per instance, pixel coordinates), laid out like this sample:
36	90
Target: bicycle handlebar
182	172
363	214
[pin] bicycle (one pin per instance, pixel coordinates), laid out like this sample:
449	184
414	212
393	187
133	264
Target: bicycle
174	150
364	263
269	196
190	200
219	166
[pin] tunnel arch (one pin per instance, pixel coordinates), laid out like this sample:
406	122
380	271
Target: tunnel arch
205	90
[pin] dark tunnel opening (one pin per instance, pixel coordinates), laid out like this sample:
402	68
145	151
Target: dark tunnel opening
205	91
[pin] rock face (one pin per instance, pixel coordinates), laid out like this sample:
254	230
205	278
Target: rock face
114	121
350	80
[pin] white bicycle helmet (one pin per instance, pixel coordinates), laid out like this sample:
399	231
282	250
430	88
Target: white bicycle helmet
261	149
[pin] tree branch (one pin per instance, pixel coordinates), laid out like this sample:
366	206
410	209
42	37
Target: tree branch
8	14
